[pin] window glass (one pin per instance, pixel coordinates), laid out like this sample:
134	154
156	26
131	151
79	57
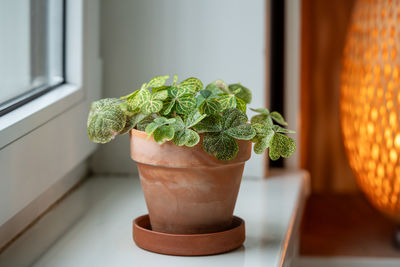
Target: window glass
31	49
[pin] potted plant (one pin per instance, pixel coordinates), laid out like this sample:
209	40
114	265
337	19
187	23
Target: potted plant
190	145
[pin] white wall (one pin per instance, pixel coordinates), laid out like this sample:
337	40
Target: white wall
207	39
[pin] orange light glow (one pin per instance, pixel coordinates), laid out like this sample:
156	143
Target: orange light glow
370	101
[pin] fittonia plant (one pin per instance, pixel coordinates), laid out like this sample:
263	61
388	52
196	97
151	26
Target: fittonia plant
181	111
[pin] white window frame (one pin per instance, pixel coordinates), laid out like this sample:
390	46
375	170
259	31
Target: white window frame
22	120
292	75
44	140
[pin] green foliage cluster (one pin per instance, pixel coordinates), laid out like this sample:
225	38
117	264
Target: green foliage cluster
181	112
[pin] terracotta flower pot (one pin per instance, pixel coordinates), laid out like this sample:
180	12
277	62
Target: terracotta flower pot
187	191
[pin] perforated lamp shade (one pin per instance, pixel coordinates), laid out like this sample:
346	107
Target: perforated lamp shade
370	102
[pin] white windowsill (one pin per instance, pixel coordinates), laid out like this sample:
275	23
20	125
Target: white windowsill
102	234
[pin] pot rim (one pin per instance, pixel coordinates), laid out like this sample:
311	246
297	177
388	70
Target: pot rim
145	150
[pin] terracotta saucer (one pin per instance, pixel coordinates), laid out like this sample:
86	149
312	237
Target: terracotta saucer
186	244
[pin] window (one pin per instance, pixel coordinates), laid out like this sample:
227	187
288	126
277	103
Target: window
43	141
31	50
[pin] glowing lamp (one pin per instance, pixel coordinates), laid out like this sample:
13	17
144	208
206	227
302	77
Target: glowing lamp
370	102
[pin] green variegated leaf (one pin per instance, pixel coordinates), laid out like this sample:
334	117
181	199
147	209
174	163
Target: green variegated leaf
103	127
152	106
233	117
281	145
161	88
241	92
151	128
193	138
267	117
264	134
269	135
288	147
105	120
191	85
263	137
185	104
278	118
221	131
131	95
124	107
274	150
218	87
164	121
135	103
240	104
149	103
210	142
210	124
236	91
180	137
175	92
261	146
206	93
242	132
105	102
279	129
131	106
142	96
262	119
256	139
144	86
261	110
135	119
180	101
210	107
183	135
193	118
97	106
163	133
221	145
131	122
141	126
186	137
175	80
178	124
160	95
227	101
158	81
263	130
128	126
168	105
199	100
158	123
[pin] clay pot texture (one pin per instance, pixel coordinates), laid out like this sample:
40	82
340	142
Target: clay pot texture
187	191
